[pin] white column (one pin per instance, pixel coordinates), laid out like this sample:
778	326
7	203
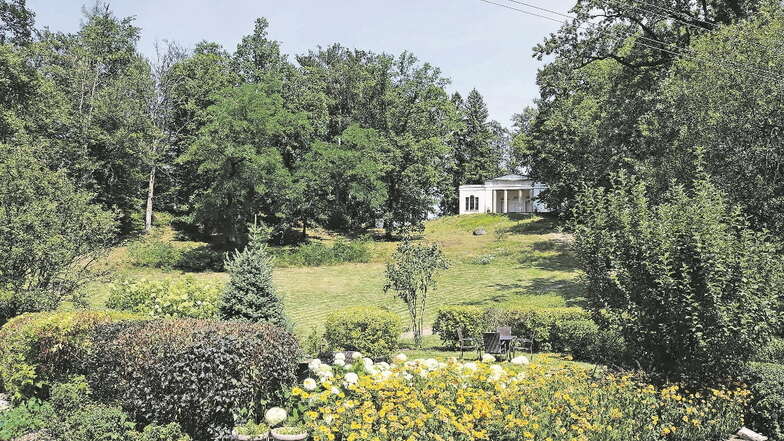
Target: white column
520	201
506	201
492	201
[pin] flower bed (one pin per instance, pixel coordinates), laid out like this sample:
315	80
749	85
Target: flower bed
431	400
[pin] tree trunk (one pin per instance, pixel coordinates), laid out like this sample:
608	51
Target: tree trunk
150	194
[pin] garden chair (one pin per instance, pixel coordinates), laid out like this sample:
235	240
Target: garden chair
467	343
506	339
523	344
492	343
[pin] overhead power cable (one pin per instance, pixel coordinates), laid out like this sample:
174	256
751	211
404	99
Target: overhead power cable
680	52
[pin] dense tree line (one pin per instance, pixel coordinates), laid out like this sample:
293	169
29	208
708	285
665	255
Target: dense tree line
650	88
334	137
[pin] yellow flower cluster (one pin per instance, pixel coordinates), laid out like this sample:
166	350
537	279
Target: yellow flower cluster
431	400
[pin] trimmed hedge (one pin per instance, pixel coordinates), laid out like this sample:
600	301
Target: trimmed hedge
537	322
38	349
765	413
197	373
450	319
372	331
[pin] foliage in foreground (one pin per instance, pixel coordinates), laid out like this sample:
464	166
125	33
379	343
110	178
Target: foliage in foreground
73	415
371	331
765	412
431	400
183	297
693	290
39	349
51	232
197	373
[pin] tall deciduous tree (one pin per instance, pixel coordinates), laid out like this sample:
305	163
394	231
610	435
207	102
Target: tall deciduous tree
238	154
51	233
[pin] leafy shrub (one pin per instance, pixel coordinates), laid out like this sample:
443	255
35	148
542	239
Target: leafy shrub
182	297
250	294
203	258
450	319
318	254
169	432
575	337
153	252
369	330
197	373
29	416
692	289
536	322
765	413
315	344
773	352
38	349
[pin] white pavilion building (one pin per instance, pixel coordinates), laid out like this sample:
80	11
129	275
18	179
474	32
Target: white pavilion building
506	194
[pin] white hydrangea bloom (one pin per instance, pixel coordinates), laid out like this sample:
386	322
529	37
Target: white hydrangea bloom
470	366
356	355
430	364
309	384
340	362
314	364
367	363
400	358
351	378
335	391
520	360
488	358
275	416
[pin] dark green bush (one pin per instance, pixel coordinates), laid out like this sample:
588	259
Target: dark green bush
575	337
196	373
203	258
38	349
765	413
169	432
29	416
450	319
372	331
318	254
773	352
153	252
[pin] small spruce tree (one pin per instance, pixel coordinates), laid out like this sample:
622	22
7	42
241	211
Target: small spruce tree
250	295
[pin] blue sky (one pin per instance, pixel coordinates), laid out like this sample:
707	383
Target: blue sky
474	43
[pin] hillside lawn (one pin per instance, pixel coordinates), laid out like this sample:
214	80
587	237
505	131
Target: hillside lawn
521	260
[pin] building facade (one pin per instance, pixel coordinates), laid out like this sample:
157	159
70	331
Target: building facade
506	194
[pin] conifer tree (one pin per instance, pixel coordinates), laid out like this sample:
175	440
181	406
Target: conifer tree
250	294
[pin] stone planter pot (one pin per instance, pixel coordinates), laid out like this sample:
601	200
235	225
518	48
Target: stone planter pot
237	437
286	437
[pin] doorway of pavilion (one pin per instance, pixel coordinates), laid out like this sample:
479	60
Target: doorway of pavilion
512	201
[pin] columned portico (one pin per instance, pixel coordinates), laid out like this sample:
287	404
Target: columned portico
507	194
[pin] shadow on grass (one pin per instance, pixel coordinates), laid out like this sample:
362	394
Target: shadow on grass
543	224
571	290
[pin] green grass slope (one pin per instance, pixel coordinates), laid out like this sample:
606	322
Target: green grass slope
521	260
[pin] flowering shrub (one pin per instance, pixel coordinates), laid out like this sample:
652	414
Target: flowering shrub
432	400
183	297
